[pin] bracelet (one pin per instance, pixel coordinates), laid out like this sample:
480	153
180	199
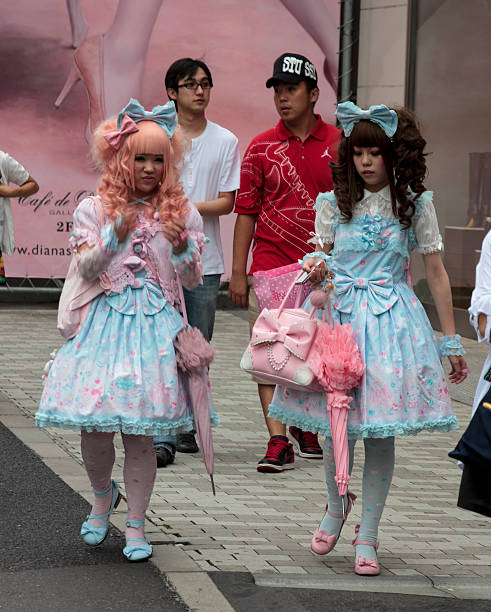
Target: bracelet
451	345
319	254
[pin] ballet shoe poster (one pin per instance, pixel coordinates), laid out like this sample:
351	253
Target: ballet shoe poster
123	50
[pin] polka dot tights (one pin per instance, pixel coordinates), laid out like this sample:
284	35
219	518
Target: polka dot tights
140	467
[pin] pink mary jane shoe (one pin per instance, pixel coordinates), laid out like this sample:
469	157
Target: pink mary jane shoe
365	567
322	542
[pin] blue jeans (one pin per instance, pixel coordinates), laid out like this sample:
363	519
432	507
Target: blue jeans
201	305
168	442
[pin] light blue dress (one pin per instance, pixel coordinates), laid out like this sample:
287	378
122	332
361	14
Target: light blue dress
404	389
119	372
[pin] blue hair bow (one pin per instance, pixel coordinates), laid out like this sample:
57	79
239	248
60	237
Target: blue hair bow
165	115
348	115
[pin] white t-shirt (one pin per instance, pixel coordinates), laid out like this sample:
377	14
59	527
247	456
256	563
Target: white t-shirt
10	172
211	166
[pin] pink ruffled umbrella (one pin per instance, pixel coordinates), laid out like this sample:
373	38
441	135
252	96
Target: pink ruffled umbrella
336	361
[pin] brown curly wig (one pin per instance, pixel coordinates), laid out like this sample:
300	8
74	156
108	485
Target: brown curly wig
404	160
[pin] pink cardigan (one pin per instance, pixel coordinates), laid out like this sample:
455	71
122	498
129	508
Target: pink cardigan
152	252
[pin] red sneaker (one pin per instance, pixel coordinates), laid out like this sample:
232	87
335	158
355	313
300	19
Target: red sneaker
279	456
306	443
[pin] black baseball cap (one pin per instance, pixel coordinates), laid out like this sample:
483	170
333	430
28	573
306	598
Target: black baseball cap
292	68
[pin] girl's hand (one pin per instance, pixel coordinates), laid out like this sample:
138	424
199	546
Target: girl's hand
175	232
482	319
320	271
459	369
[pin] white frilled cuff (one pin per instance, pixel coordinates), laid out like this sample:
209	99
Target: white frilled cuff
481	304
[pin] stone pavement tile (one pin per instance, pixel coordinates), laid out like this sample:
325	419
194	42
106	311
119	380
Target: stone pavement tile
315	570
283	569
306	562
484	570
7	409
230	567
16	420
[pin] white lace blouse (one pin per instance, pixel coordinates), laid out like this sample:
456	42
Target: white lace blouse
424	223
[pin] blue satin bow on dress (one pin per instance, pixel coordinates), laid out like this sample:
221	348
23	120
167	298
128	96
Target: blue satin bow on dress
165	115
379	291
348	115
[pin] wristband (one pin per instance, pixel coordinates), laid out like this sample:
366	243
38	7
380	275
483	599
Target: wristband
319	255
109	241
451	345
187	256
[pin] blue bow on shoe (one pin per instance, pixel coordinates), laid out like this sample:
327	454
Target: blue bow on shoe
348	115
165	115
379	288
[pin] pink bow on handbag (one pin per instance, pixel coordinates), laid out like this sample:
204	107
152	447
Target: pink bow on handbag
296	337
116	138
281	342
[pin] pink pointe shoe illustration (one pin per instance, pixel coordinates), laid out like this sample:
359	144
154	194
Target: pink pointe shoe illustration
323	542
88	66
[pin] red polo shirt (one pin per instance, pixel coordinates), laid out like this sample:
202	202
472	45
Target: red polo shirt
280	179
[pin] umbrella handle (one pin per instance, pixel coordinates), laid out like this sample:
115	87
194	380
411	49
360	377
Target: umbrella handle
181	299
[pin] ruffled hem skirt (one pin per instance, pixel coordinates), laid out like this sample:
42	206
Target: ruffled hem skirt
403	391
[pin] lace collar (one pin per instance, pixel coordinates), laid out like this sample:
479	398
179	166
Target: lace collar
383	194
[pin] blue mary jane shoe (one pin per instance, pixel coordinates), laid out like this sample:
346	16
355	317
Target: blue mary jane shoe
140	552
91	535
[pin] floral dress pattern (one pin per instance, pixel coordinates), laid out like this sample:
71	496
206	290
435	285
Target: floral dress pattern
119	372
404	389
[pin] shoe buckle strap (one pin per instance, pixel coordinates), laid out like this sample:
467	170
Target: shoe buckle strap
106	492
134	523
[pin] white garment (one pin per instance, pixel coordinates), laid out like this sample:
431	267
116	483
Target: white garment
481	302
10	172
211	166
425	223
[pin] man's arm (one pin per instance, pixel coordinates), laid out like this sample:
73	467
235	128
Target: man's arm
223	205
26	189
243	234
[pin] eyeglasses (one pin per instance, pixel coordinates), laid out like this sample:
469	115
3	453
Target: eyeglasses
204	84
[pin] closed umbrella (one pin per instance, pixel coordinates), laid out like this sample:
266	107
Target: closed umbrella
336	361
193	355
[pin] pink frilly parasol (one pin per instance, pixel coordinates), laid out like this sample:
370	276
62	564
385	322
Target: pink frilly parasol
336	361
193	355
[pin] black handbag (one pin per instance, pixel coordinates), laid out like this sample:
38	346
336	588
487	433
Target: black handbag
474	451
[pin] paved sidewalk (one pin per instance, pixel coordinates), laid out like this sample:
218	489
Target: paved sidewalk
262	523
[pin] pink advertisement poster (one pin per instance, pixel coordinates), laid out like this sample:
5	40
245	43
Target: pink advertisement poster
137	40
